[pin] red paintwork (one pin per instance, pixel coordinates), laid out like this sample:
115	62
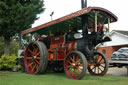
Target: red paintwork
52	55
58	40
59	49
61	54
71	46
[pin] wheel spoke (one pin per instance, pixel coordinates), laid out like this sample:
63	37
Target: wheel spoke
78	61
93	67
95	70
37	57
79	68
38	53
100	69
33	67
30	51
72	59
102	63
69	62
73	72
30	64
36	50
100	59
37	62
102	66
37	66
96	57
33	46
69	66
28	58
80	64
70	69
79	71
77	57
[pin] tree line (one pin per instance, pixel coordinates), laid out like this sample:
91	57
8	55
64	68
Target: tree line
16	16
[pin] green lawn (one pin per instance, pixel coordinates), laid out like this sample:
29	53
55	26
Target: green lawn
18	78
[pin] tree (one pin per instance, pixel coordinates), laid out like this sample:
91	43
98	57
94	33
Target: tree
1	46
16	16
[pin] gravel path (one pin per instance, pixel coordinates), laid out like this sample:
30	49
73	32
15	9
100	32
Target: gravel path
117	71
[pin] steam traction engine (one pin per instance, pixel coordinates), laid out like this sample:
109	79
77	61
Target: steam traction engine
66	48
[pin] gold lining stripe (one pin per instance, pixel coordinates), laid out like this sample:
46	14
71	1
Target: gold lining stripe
69	46
75	46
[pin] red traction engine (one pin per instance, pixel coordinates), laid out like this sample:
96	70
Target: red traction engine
72	51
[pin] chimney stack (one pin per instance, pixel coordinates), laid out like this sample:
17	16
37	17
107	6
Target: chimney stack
84	3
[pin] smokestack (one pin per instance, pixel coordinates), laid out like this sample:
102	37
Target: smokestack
84	3
84	20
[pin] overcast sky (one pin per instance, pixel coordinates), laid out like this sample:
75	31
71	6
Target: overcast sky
65	7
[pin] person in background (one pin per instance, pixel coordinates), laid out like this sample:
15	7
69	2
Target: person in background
100	28
92	28
105	30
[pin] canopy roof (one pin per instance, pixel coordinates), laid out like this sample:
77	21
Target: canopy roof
73	20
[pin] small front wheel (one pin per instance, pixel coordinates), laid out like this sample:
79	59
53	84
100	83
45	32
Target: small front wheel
75	65
99	66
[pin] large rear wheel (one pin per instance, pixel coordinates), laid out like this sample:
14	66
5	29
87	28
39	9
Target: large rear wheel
75	65
99	66
36	58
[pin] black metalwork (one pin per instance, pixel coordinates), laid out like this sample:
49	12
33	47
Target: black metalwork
84	19
84	3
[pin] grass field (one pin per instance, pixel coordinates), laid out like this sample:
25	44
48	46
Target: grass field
18	78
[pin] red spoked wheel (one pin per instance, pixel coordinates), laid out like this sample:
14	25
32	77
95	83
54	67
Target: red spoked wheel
75	65
99	66
36	58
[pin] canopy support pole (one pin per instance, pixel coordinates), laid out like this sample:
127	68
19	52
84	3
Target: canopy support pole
108	24
96	22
